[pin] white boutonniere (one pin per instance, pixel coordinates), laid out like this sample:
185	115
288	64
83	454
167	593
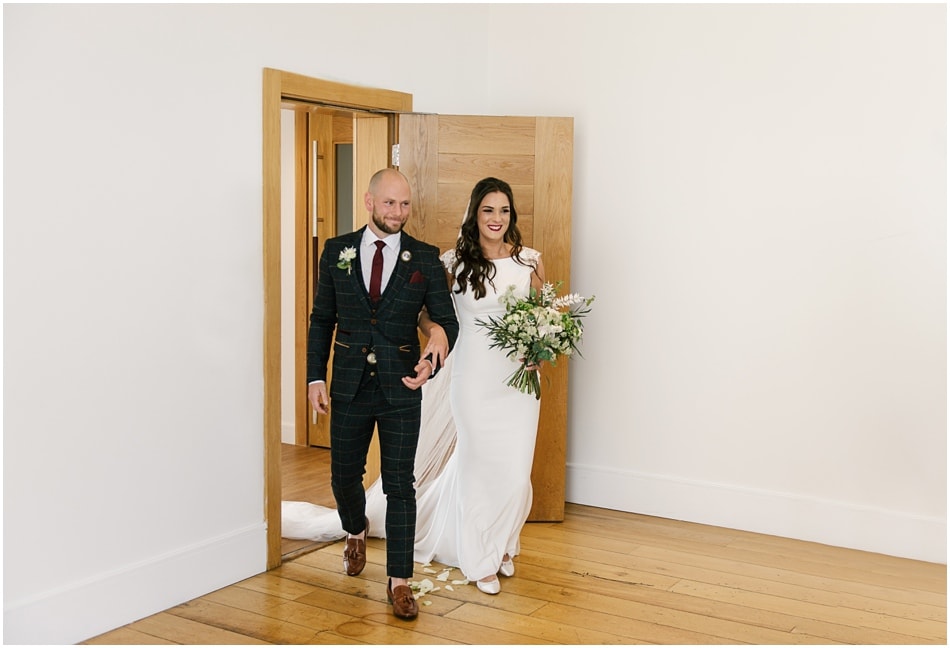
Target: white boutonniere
406	256
346	259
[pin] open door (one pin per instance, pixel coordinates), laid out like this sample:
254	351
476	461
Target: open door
444	156
318	221
315	202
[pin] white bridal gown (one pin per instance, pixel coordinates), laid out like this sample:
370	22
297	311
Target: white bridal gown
474	512
473	500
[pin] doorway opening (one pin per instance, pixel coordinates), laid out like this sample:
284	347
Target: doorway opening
442	156
315	103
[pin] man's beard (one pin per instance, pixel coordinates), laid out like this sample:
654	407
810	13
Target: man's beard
381	224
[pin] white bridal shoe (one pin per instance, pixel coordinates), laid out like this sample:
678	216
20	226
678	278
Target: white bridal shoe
489	587
507	568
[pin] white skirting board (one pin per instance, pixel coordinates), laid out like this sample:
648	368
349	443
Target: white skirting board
107	601
288	432
788	515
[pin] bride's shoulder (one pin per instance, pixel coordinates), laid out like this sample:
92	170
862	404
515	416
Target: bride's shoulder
448	259
530	255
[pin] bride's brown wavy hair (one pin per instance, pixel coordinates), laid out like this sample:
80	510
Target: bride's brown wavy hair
476	270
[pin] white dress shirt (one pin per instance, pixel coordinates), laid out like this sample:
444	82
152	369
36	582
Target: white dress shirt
390	254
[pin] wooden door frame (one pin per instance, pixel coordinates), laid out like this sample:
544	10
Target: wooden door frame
279	86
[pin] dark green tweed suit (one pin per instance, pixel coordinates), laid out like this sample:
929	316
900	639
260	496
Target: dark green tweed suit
363	395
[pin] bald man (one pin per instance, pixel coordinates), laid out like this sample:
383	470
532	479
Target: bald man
372	285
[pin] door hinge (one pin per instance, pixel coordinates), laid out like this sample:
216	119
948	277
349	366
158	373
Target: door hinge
395	160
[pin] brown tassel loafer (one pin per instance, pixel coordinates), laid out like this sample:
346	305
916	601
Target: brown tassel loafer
404	605
354	553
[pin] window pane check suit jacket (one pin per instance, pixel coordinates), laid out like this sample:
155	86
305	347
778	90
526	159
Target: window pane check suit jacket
389	329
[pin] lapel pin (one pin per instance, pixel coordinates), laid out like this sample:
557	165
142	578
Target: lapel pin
406	255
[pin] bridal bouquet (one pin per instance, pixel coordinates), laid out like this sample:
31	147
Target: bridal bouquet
539	327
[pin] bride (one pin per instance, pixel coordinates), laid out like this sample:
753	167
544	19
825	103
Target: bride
476	443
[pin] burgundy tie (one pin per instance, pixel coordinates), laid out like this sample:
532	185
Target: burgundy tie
376	278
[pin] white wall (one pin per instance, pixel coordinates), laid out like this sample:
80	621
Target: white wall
775	178
779	333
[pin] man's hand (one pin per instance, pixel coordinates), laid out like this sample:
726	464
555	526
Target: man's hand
438	345
317	393
423	371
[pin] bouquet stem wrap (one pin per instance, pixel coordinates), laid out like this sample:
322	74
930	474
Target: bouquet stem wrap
527	381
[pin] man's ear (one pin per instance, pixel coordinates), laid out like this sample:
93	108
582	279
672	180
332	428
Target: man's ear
368	201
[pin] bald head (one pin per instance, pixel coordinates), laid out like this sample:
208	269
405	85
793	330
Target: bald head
387	201
385	176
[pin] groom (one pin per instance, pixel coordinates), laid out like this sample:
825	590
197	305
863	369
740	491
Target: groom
372	285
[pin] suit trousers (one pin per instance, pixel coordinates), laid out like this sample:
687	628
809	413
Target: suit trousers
351	430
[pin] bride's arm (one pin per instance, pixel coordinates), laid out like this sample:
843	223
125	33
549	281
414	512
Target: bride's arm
537	276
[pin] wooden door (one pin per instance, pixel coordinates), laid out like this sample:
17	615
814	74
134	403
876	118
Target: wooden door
369	135
444	156
316	200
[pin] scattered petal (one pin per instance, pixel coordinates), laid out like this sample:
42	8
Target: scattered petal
427	602
425	586
450	588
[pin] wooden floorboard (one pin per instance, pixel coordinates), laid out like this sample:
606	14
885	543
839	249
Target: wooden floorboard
598	577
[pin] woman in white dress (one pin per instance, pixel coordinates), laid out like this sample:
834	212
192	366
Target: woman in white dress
472	514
